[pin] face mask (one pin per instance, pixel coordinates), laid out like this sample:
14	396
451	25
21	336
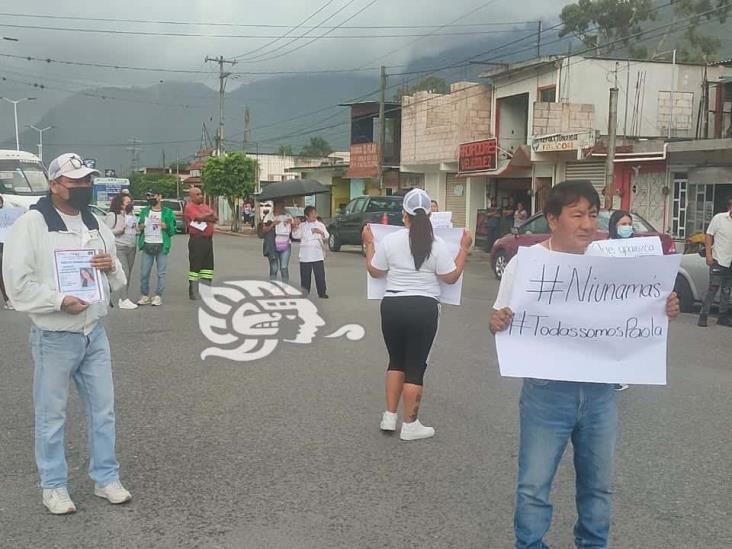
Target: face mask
79	197
151	202
625	231
128	208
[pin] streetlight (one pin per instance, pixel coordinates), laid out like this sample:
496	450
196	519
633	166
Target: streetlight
15	110
40	138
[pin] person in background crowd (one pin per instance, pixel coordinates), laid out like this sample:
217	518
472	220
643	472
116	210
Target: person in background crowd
311	234
414	262
68	339
508	216
493	224
434	206
248	217
124	229
157	225
718	249
200	220
277	228
554	412
520	215
3	294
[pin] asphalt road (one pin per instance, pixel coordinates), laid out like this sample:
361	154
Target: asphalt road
286	452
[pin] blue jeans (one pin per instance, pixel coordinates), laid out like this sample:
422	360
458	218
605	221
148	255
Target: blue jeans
281	261
58	358
146	265
552	414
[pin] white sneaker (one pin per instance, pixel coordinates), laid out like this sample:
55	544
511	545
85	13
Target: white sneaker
415	431
144	300
620	387
388	421
113	492
156	301
58	502
126	304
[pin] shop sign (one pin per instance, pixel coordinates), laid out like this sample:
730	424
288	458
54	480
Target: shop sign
478	156
364	160
561	142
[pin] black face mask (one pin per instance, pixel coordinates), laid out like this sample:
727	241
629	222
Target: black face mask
79	197
152	202
128	208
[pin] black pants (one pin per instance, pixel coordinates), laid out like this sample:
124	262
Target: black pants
200	258
720	280
409	325
306	269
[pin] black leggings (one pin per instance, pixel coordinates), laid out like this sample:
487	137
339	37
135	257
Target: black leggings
409	325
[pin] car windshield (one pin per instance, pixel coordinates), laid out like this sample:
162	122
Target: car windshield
382	204
22	177
172	204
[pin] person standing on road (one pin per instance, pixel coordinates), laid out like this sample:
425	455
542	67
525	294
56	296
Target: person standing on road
277	232
157	226
520	215
3	293
200	220
718	249
554	412
414	262
311	234
124	229
68	339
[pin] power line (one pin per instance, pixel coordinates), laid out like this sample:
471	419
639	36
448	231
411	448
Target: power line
246	25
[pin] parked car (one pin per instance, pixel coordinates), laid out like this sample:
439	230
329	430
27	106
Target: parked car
177	206
536	229
692	281
346	227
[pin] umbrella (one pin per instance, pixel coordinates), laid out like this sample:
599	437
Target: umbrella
291	188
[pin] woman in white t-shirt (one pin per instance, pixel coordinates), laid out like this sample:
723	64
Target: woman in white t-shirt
278	250
414	262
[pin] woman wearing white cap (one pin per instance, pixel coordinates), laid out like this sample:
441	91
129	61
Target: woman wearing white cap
414	263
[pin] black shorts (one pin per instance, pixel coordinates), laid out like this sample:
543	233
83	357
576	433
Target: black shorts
409	325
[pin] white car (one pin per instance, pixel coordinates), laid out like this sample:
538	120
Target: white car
692	281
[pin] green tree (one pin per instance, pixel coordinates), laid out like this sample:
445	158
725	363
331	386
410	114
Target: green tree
285	150
316	147
432	84
231	176
165	183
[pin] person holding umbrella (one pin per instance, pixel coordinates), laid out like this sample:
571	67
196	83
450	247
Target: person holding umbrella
277	228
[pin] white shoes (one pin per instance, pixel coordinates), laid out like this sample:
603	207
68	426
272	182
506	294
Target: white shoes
113	492
126	304
415	431
58	502
388	421
144	300
156	301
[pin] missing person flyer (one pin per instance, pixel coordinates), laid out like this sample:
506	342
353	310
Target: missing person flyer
76	277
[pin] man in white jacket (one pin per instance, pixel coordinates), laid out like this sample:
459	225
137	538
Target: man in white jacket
68	340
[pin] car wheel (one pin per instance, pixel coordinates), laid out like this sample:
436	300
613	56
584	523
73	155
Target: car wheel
686	298
499	264
333	243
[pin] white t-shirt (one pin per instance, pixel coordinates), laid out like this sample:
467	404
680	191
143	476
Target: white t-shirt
282	227
154	227
311	244
74	223
402	279
721	229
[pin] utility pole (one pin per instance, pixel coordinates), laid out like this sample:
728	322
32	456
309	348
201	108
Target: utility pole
135	150
15	102
612	134
40	138
247	131
222	87
382	127
177	174
538	40
673	94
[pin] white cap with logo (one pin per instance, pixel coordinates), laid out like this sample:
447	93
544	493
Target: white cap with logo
417	199
69	165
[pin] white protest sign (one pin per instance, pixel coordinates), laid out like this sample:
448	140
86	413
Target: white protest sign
441	220
449	293
8	216
583	318
627	247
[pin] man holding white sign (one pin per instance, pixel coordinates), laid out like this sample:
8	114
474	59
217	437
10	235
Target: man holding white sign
60	265
571	302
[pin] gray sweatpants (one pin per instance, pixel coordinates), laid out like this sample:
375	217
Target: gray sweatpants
126	256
